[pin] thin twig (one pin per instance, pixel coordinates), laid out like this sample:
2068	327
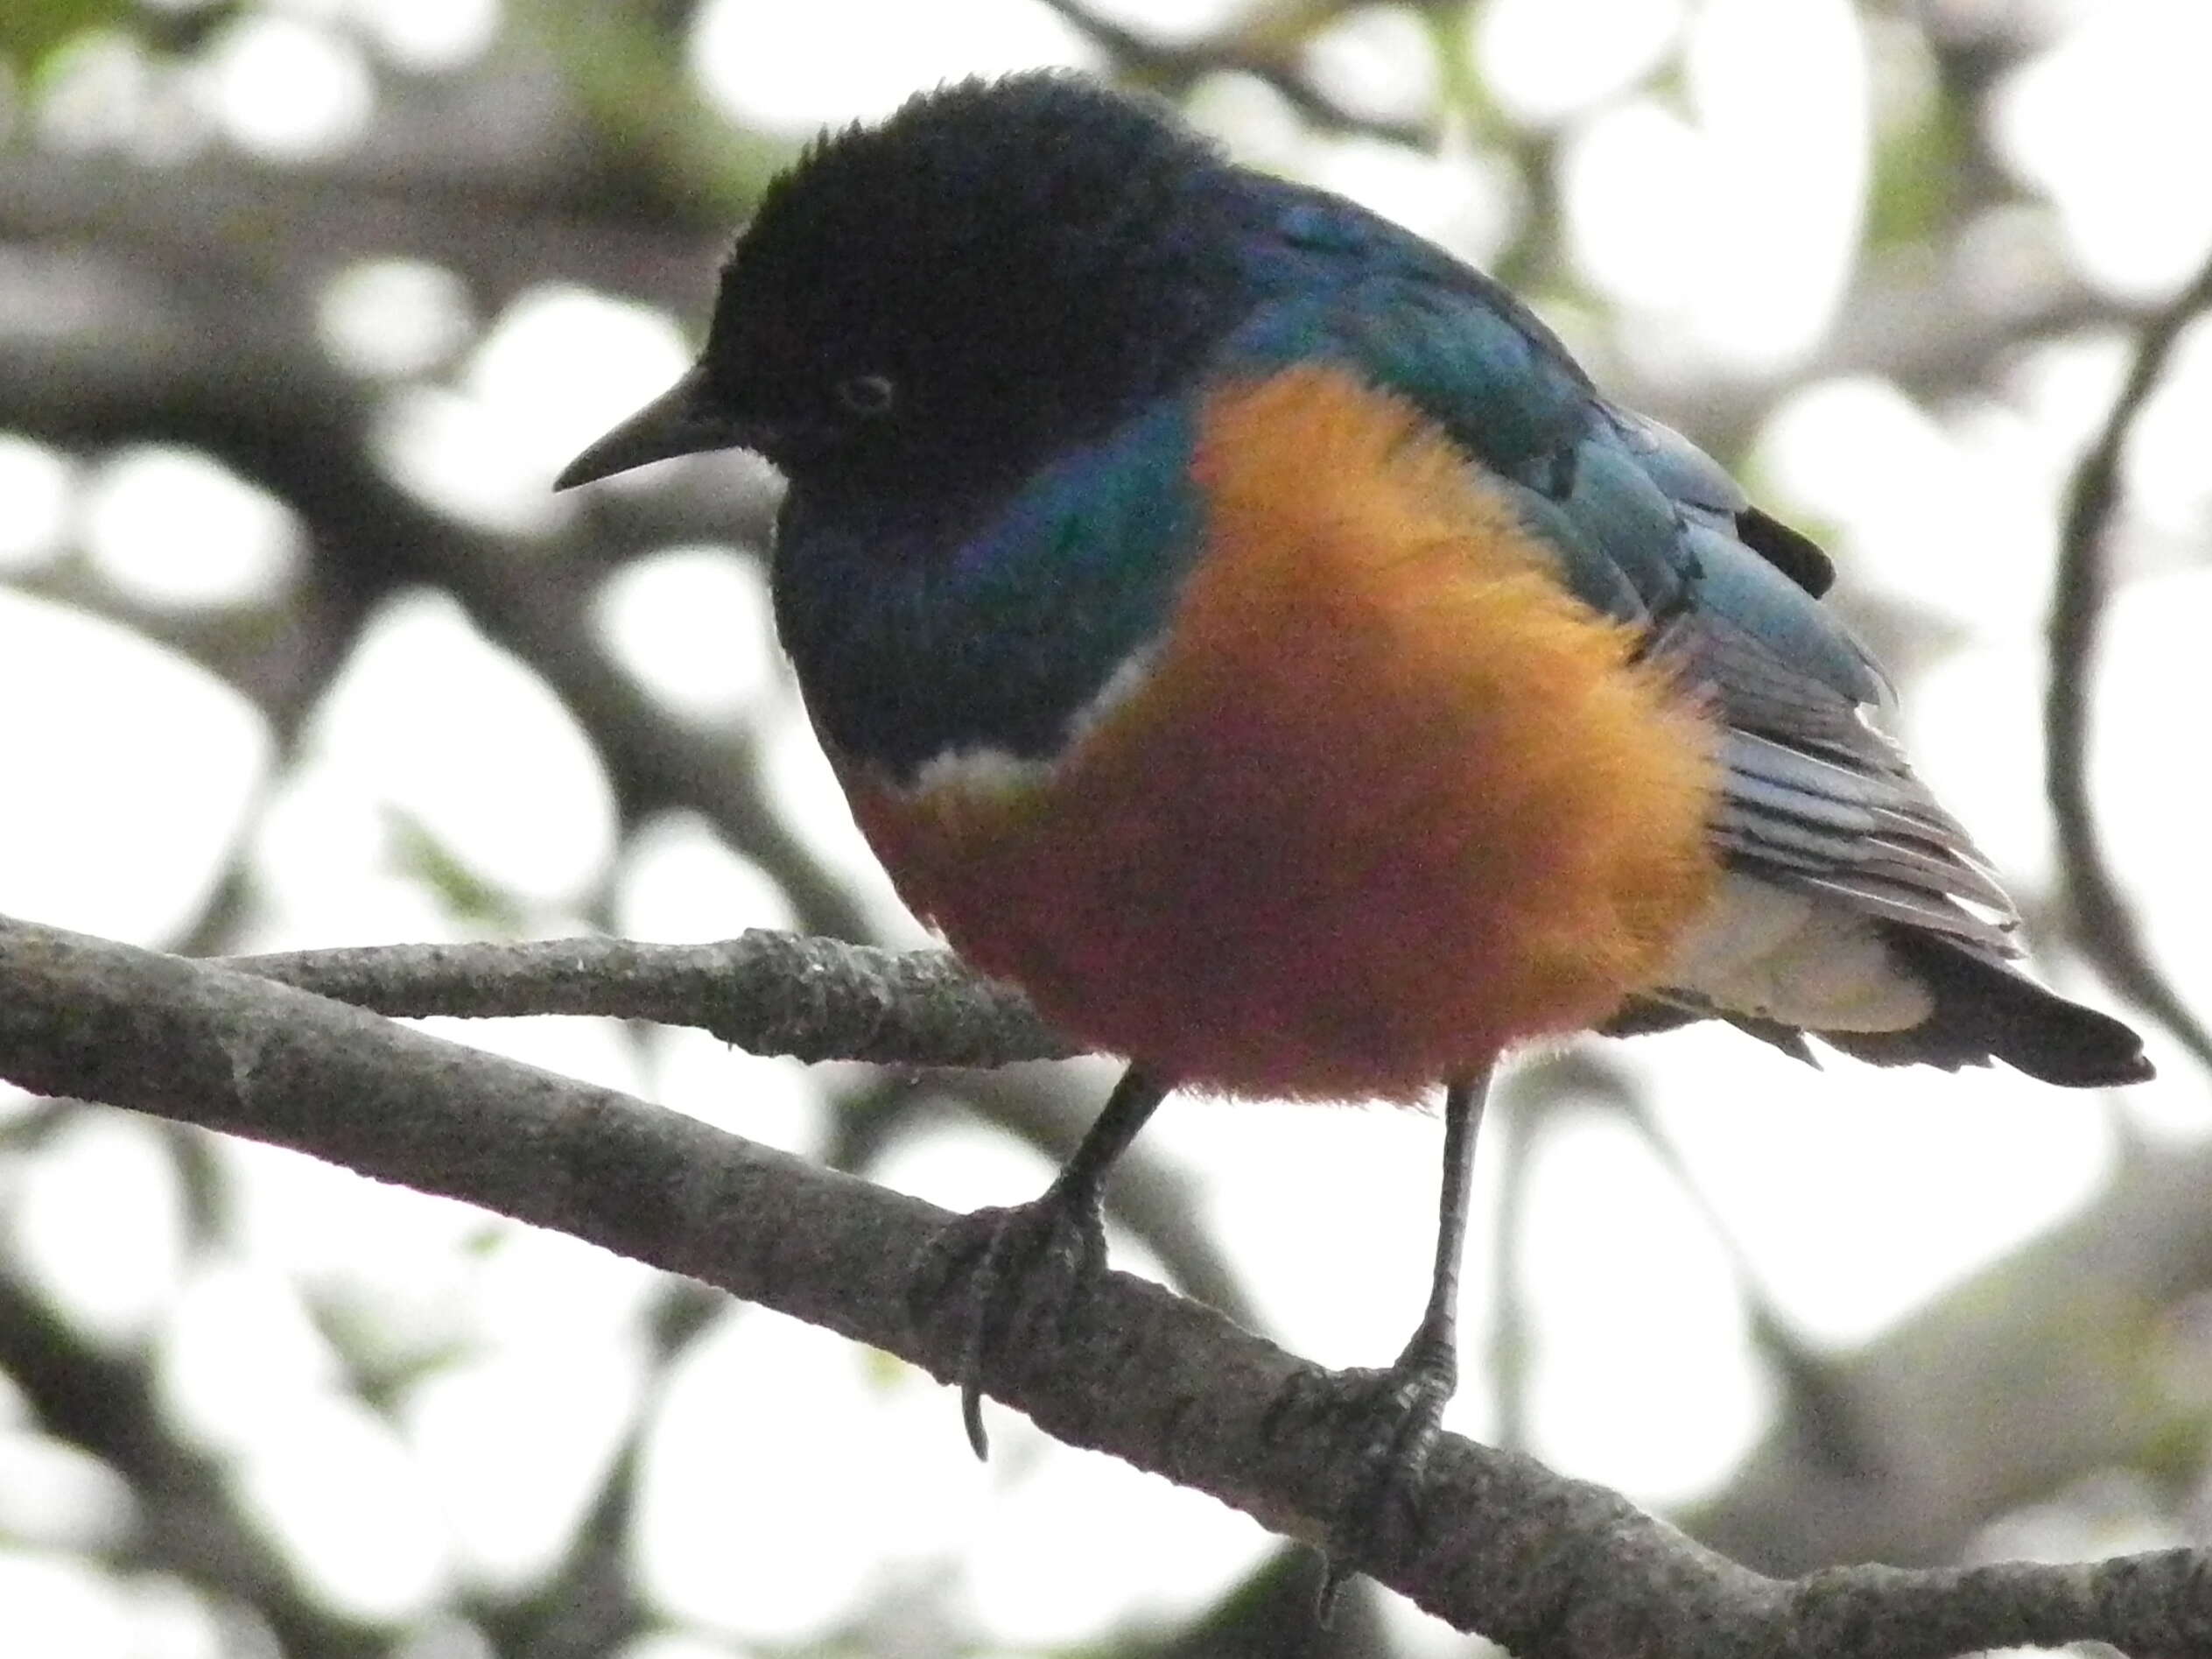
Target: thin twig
768	993
1270	56
2104	921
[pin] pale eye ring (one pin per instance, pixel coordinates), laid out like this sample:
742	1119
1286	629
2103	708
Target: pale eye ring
869	395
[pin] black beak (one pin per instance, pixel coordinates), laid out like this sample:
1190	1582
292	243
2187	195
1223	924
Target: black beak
683	421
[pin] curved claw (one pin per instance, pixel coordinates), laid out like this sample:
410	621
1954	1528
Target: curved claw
972	1406
1006	1246
997	1252
1403	1407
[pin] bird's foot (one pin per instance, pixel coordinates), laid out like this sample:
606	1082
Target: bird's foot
1395	1412
1037	1257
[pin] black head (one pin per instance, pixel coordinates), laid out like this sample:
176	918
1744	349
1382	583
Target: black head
934	304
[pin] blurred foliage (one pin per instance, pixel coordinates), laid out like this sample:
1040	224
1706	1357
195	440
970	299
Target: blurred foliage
1916	161
31	32
624	67
465	894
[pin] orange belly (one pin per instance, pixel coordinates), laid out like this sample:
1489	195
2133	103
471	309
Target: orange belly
1384	801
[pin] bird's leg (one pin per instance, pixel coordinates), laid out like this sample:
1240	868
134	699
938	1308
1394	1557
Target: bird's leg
992	1254
1405	1402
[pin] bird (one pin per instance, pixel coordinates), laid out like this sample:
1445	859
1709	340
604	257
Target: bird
1242	625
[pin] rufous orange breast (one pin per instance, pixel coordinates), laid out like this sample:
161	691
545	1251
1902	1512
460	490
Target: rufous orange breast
1382	801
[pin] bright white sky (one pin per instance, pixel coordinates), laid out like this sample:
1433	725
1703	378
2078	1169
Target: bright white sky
793	1476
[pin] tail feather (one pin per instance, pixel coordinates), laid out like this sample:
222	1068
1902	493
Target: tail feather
1986	1010
1648	1016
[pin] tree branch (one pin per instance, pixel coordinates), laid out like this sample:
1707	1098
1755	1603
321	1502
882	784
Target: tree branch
1267	44
108	1403
1905	1448
1827	1484
2104	921
766	992
1498	1543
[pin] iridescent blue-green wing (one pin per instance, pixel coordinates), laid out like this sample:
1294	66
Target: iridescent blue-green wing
1648	528
1816	801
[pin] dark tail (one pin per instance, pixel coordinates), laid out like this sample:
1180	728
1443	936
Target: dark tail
1985	1011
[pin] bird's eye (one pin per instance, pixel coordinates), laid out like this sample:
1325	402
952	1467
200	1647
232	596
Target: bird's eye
866	395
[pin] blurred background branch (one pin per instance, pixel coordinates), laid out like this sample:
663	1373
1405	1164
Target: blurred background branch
2108	932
